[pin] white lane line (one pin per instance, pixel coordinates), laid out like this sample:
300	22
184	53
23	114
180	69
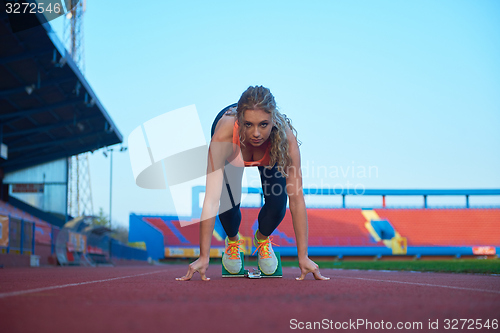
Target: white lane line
421	284
21	292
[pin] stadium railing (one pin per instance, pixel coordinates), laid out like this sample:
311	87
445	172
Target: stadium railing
121	251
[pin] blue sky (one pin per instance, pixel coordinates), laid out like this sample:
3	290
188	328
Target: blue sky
408	87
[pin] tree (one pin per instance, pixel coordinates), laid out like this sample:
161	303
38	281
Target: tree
102	219
120	233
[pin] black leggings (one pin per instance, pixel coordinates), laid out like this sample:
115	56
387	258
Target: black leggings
275	197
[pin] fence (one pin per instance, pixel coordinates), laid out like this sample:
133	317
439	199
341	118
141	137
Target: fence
18	236
122	251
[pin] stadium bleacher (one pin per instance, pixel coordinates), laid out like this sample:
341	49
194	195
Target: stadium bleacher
359	231
446	227
42	228
168	234
174	234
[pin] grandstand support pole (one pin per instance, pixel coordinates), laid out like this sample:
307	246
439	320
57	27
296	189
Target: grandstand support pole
343	200
110	184
383	201
22	237
52	241
33	238
43	201
77	185
467	201
425	201
68	165
1	170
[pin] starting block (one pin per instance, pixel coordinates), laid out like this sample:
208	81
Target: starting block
256	273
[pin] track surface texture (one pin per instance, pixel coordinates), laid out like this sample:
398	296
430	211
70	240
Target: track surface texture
149	299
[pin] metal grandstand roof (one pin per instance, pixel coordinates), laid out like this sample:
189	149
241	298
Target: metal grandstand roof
47	108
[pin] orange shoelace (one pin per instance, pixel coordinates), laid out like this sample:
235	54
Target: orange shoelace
233	249
263	248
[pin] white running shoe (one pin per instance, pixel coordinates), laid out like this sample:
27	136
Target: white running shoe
231	258
268	263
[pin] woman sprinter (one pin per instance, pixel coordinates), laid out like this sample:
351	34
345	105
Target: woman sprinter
253	133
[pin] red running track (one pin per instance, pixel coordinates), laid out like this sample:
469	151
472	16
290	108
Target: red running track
148	299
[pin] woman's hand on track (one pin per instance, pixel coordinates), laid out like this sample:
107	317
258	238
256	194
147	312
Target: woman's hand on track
309	266
200	265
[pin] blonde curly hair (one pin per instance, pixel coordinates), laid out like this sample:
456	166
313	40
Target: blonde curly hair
259	97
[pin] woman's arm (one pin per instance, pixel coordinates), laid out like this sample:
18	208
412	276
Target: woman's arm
298	209
296	197
220	150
